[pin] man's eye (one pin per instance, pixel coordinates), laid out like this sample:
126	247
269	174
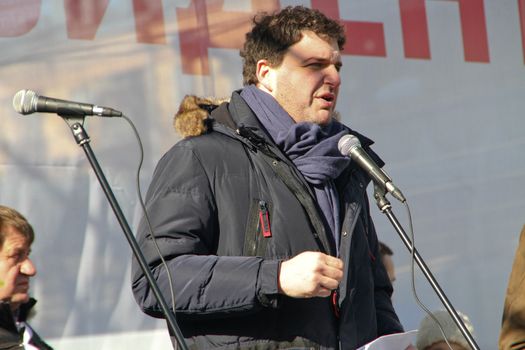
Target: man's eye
18	257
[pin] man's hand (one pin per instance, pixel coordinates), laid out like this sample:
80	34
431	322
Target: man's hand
310	274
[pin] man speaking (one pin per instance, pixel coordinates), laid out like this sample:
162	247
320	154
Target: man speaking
263	223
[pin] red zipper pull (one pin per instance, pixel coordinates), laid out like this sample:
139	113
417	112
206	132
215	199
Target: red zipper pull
264	219
335	300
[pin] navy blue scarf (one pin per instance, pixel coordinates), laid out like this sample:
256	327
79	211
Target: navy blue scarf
311	147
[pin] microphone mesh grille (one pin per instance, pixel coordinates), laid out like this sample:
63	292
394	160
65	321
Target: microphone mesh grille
346	143
24	100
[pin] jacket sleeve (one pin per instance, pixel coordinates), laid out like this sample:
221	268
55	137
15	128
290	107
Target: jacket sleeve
183	219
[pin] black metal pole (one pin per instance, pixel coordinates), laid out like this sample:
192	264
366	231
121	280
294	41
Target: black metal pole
386	208
82	139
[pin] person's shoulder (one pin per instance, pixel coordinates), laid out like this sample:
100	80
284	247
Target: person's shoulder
205	148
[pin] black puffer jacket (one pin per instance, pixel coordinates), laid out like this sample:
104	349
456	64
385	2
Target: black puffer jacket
209	201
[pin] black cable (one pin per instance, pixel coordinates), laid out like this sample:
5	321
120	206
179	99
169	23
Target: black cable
145	212
413	278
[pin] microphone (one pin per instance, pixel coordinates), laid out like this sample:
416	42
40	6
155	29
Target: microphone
27	102
349	145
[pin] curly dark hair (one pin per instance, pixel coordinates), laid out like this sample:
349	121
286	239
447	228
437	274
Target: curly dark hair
273	34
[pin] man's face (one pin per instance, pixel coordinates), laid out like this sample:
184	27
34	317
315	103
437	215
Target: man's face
306	83
15	267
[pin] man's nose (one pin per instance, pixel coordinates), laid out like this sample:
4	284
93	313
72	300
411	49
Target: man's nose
27	267
332	76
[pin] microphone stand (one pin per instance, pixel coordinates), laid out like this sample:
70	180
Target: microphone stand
82	139
385	207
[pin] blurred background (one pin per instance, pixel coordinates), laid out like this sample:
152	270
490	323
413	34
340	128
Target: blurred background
438	84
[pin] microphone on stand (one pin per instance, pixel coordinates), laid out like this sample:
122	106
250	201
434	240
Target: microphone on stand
27	102
349	145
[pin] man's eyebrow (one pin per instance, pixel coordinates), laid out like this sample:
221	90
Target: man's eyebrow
18	250
318	59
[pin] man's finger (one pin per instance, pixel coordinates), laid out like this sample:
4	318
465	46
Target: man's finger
324	292
328	283
333	273
334	262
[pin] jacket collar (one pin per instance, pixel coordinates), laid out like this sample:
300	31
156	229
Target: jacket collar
7	317
198	115
240	115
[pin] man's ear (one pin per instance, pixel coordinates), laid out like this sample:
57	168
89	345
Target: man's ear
265	75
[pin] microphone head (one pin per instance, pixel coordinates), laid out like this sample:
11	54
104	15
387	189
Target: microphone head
24	101
347	143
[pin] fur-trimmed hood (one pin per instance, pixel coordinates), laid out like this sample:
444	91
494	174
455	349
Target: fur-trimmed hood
193	116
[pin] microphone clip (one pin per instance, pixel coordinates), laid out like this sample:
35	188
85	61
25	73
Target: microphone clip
380	196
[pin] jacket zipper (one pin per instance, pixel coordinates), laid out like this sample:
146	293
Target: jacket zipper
264	219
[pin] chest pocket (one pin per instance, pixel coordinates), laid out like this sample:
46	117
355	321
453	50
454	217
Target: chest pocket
258	228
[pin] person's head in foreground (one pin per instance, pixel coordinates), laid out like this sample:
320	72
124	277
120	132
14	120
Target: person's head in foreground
429	336
16	268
